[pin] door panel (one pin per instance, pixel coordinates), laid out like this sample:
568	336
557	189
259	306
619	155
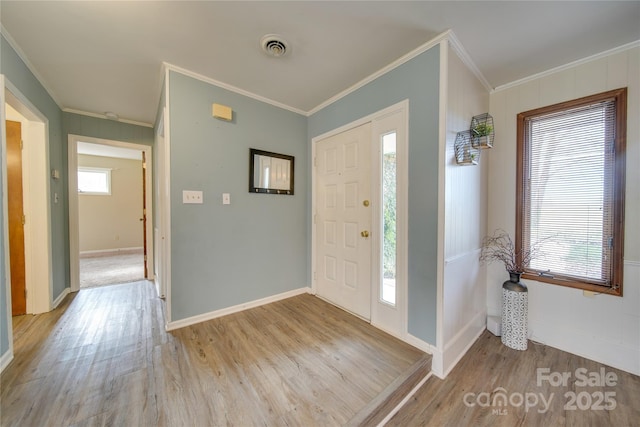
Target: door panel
390	220
16	215
343	253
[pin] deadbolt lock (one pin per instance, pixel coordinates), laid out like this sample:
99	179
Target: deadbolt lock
364	233
366	203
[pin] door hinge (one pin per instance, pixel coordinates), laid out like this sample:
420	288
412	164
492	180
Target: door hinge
144	165
24	219
315	276
145	258
315	161
315	218
21	144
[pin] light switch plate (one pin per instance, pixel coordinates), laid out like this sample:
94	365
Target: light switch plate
192	197
226	198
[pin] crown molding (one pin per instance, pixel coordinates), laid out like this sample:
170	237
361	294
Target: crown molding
384	70
466	59
597	56
14	45
231	88
102	116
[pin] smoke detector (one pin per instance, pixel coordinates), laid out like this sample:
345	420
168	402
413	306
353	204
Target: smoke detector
274	45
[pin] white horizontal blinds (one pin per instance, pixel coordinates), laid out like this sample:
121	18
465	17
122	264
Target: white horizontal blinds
569	189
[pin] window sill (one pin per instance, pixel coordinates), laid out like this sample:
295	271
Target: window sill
574	284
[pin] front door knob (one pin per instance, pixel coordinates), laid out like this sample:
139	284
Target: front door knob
364	233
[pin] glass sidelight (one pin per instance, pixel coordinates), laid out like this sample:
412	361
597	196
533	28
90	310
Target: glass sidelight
389	208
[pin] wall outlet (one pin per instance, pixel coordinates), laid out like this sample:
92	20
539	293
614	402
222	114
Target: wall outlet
192	197
226	198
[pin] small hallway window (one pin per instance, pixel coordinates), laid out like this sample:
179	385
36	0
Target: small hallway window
94	181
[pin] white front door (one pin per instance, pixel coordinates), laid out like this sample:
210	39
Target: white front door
343	220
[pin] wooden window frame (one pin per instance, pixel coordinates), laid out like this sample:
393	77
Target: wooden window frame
619	96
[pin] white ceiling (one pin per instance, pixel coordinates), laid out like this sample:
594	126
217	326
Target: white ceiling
96	56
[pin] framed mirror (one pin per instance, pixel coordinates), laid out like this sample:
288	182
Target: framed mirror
270	173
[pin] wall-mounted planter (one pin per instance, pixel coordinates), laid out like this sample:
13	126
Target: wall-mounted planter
482	131
466	154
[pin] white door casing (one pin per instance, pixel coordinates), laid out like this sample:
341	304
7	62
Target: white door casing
390	318
343	220
36	176
72	167
160	227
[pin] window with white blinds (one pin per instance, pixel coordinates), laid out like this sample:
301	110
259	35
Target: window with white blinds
571	191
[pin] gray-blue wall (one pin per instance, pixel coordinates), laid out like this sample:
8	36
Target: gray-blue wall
259	245
223	255
417	80
16	72
60	125
77	124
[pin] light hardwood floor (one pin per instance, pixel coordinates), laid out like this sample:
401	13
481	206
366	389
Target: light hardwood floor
103	358
489	366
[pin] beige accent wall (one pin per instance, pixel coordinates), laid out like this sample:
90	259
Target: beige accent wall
108	222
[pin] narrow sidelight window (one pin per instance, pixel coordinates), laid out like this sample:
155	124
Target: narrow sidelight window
389	207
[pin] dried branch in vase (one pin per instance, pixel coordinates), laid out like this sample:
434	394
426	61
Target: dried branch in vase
500	247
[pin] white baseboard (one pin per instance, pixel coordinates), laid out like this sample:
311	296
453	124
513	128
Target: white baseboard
58	300
457	347
111	251
6	358
234	309
591	347
436	355
443	362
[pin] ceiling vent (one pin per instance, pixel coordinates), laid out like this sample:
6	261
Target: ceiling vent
274	45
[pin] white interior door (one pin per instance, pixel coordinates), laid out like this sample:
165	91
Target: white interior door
343	220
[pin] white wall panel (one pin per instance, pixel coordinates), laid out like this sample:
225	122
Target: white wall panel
591	77
557	87
602	328
464	287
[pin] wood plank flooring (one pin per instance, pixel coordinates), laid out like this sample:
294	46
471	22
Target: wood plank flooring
103	358
489	366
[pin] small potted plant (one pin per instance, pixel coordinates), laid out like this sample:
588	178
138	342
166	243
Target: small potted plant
482	131
465	153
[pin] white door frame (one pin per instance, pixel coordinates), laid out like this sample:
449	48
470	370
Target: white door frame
74	234
38	252
160	228
402	204
36	200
